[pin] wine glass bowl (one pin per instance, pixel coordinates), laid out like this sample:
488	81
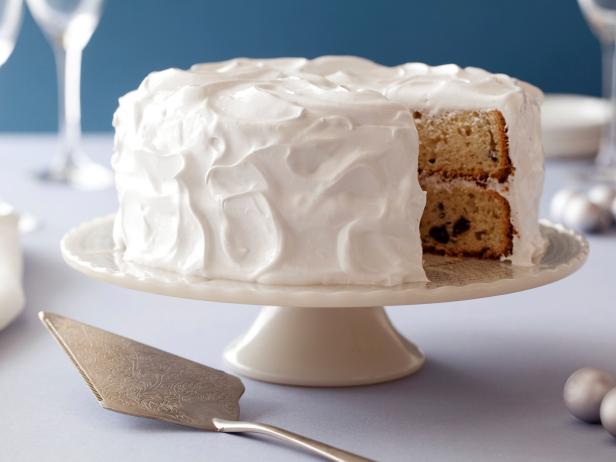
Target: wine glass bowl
10	21
601	17
68	26
69	23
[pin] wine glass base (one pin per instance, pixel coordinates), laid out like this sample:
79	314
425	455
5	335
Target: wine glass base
84	175
597	174
28	223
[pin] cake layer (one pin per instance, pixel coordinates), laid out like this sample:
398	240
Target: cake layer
465	219
470	144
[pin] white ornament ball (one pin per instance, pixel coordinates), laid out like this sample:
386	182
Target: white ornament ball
583	215
559	202
584	391
603	195
608	412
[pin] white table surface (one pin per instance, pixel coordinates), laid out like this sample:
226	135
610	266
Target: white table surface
490	390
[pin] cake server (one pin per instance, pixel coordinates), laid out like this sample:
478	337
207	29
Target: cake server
132	378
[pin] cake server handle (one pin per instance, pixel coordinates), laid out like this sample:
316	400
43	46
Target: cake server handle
324	450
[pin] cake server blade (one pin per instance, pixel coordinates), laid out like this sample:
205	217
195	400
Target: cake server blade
132	378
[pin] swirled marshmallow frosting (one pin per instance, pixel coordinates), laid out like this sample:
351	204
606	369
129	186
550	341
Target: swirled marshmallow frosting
301	172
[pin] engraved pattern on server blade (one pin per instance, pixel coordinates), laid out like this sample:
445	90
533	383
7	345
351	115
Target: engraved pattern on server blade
136	379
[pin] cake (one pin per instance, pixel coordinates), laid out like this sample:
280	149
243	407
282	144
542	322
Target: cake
329	171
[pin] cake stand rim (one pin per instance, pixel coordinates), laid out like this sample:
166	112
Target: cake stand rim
314	296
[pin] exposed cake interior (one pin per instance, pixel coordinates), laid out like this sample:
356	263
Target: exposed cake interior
463	162
463	144
465	219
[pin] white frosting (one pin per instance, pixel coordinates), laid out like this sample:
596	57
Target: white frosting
246	173
295	171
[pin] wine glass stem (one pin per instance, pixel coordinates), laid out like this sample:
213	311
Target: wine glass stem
607	51
68	63
607	153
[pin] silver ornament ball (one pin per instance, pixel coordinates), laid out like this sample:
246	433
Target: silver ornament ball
559	202
581	214
608	412
584	391
603	195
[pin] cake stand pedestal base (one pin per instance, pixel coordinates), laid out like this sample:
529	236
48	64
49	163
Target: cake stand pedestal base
323	347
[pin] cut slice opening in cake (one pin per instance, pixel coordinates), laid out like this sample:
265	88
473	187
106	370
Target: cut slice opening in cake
463	164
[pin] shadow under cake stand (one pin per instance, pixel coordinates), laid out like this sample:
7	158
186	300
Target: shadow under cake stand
327	335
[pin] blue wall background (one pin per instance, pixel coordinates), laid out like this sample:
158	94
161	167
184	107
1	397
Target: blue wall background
545	42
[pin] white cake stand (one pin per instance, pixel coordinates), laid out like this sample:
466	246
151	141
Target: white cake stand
327	335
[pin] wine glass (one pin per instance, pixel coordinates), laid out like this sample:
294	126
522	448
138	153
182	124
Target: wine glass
68	25
601	17
11	12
